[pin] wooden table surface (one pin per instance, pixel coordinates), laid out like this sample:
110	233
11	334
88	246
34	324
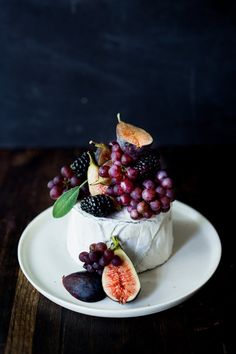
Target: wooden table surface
30	323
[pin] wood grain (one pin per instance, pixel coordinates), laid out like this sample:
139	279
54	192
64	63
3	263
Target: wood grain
22	323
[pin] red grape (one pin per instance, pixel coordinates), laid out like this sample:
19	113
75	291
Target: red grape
125	199
149	194
126	159
161	174
50	184
148	214
136	194
134	214
118	190
115	171
142	207
170	194
131	173
160	191
116	261
103	171
165	202
155	205
109	254
116	156
101	246
148	183
167	183
127	185
74	181
67	172
56	192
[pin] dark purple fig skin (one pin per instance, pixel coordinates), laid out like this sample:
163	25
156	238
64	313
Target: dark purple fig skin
102	153
84	286
134	151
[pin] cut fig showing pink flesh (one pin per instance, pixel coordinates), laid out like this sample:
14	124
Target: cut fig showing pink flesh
121	283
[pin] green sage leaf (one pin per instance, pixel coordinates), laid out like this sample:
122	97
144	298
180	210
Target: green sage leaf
66	202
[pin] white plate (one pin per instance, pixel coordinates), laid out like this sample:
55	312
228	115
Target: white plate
44	259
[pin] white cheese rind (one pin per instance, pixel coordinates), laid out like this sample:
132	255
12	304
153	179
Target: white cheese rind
148	242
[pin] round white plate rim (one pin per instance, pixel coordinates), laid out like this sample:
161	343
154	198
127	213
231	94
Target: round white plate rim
123	312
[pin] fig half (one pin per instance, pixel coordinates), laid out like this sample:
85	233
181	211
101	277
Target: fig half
84	286
121	283
133	140
96	184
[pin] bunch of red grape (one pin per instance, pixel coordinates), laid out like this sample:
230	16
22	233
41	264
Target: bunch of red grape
143	198
98	257
63	182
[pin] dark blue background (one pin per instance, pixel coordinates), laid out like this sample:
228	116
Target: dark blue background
68	66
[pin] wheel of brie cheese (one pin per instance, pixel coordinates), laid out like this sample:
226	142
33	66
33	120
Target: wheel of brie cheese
148	242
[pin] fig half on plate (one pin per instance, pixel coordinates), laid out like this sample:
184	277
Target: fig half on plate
121	283
132	140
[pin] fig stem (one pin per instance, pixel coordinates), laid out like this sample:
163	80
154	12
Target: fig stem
118	117
115	243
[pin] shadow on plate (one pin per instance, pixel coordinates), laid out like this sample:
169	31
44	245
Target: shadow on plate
183	232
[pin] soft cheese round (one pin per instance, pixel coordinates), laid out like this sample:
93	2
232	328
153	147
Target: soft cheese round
148	242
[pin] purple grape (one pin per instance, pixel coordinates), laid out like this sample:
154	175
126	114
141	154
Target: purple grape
148	194
92	247
131	173
103	171
118	163
127	185
74	181
118	200
164	210
133	203
125	199
116	147
148	183
83	256
67	172
167	183
165	202
148	214
129	208
94	256
103	261
101	247
116	156
108	254
118	190
96	265
142	207
126	160
160	191
110	191
100	271
117	180
161	174
57	180
90	268
136	194
56	192
50	184
134	214
115	171
170	194
116	261
155	205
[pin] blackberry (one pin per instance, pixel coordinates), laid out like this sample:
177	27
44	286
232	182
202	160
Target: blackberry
98	205
80	165
147	165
